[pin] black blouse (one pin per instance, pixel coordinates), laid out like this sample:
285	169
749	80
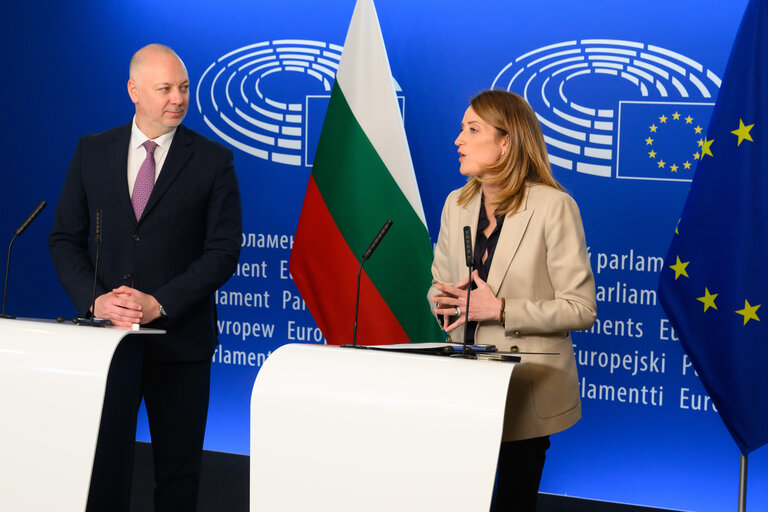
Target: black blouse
483	244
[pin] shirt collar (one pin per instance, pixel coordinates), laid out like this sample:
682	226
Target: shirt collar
138	138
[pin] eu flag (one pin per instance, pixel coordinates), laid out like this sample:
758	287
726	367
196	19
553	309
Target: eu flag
660	140
715	279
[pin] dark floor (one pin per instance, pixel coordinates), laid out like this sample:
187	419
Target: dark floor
224	487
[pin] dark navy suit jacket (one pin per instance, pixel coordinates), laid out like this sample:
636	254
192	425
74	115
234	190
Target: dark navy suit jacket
184	247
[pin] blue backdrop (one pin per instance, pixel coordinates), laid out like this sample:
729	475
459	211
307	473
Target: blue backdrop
620	88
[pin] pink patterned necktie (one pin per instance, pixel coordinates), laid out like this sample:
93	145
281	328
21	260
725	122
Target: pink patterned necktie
145	180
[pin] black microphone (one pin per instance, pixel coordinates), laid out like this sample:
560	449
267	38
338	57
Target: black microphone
97	242
366	255
468	353
377	240
19	231
468	246
97	228
31	218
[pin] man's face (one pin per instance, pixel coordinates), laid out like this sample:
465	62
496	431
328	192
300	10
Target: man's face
160	91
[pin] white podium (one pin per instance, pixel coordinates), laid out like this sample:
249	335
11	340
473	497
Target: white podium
341	429
52	388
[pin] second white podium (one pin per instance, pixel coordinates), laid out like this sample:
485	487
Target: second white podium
339	429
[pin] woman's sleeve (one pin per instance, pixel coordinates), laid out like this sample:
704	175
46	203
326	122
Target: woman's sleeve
441	264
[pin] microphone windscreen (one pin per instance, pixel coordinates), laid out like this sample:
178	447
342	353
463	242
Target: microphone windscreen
468	245
32	216
97	227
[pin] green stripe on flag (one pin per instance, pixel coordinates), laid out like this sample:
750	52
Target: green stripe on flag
361	195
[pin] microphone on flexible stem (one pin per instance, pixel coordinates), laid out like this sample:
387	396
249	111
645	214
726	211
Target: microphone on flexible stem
377	240
93	321
367	254
97	243
466	352
19	231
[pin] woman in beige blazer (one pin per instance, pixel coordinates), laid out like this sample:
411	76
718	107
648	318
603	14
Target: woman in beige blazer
533	282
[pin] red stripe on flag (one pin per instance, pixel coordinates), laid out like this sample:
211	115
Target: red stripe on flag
325	272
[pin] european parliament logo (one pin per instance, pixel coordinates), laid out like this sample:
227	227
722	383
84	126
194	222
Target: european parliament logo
269	99
614	108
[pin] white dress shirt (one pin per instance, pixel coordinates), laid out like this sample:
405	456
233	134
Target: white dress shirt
137	153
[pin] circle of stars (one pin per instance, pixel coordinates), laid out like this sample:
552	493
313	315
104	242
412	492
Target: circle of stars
653	129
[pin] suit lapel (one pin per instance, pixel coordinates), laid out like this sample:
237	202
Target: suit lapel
116	161
509	240
178	155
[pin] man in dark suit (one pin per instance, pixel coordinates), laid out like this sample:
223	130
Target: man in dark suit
171	236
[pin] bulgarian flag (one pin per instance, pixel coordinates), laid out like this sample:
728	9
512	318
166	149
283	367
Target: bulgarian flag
363	176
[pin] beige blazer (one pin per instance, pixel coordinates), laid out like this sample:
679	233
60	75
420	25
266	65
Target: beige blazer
542	269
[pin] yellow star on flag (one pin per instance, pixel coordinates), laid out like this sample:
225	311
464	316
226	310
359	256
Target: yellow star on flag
749	312
676	116
705	148
696	156
687	164
679	268
663	119
653	127
708	299
689	120
743	132
673	167
697	129
652	154
649	141
700	142
661	163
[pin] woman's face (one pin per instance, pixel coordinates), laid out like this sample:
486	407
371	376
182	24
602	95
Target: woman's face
479	144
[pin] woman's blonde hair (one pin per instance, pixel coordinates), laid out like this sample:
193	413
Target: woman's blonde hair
525	161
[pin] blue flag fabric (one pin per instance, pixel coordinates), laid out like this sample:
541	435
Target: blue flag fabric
714	285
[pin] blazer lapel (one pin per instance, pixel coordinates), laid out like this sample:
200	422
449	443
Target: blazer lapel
116	161
178	155
509	240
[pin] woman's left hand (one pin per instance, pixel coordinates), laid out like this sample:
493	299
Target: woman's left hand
483	304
